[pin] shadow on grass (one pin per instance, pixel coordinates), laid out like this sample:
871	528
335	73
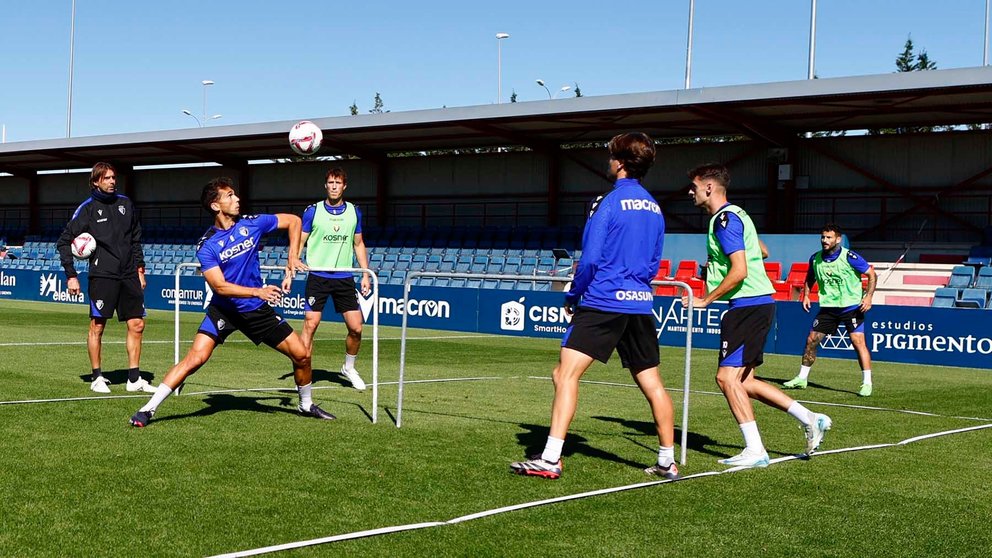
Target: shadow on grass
117	376
534	437
779	384
694	441
219	402
321	375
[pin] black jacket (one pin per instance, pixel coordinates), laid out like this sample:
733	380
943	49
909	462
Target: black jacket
113	222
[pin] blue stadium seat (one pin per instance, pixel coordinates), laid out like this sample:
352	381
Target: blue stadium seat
489	283
973	298
474	283
442	282
507	285
984	280
961	277
525	285
458	283
945	297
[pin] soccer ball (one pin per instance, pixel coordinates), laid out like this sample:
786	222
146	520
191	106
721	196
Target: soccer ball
83	246
305	138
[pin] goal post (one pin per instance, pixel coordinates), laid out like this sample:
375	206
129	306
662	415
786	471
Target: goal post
408	284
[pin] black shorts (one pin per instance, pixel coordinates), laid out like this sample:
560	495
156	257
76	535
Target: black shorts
743	332
596	333
262	325
341	290
829	319
123	295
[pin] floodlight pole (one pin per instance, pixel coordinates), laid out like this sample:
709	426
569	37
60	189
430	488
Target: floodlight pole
688	47
72	41
811	67
985	51
499	65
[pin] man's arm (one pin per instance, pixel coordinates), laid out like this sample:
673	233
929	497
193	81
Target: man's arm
808	284
303	243
869	289
735	276
294	225
592	251
137	253
215	278
362	255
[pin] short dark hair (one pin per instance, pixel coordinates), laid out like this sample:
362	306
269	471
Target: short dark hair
98	171
832	227
635	151
711	171
211	192
336	172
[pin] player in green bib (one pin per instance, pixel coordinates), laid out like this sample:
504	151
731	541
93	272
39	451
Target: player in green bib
332	239
838	271
735	273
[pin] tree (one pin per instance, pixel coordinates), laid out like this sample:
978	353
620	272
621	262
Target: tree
377	105
513	96
578	92
353	109
905	61
910	61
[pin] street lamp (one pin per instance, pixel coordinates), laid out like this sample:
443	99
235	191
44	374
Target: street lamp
206	83
499	66
562	89
199	124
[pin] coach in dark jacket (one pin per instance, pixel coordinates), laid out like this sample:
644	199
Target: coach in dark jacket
116	274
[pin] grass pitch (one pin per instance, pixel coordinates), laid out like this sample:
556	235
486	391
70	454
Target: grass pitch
221	471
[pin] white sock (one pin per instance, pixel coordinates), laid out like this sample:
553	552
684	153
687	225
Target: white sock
306	400
866	376
802	414
552	450
752	439
666	455
349	361
161	393
804	372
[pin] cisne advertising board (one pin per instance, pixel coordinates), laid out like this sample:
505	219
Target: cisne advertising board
939	336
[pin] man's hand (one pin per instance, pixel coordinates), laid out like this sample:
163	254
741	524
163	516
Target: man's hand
806	301
294	265
269	293
73	284
287	283
141	278
366	285
696	301
569	308
866	303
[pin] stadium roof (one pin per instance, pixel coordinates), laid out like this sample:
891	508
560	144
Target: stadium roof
777	113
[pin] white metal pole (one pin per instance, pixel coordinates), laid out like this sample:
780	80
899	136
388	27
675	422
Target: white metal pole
72	41
688	46
985	51
811	67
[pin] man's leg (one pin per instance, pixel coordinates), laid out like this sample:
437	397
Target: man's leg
94	342
809	357
292	346
571	365
814	425
311	321
731	380
664	421
135	329
198	355
864	359
352	344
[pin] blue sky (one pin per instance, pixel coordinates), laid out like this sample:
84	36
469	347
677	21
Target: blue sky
138	64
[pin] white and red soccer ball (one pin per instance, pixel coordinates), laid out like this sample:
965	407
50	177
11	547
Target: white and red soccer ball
83	246
305	138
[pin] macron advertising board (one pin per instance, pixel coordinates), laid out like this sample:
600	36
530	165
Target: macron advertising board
937	336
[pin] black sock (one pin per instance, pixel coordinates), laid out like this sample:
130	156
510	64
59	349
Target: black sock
132	375
96	373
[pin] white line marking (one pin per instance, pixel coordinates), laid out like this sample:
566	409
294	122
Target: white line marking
525	505
170	342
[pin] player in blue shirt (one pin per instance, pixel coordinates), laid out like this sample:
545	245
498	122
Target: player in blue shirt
228	255
611	301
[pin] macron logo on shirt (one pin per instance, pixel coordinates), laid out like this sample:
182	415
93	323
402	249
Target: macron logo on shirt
640	205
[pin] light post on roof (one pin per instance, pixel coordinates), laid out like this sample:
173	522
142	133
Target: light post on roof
499	65
201	122
562	89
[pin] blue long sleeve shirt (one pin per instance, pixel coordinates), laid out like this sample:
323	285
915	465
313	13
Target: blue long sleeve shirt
621	249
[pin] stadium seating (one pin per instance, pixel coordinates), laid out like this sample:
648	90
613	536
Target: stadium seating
984	279
973	298
962	277
774	271
945	297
